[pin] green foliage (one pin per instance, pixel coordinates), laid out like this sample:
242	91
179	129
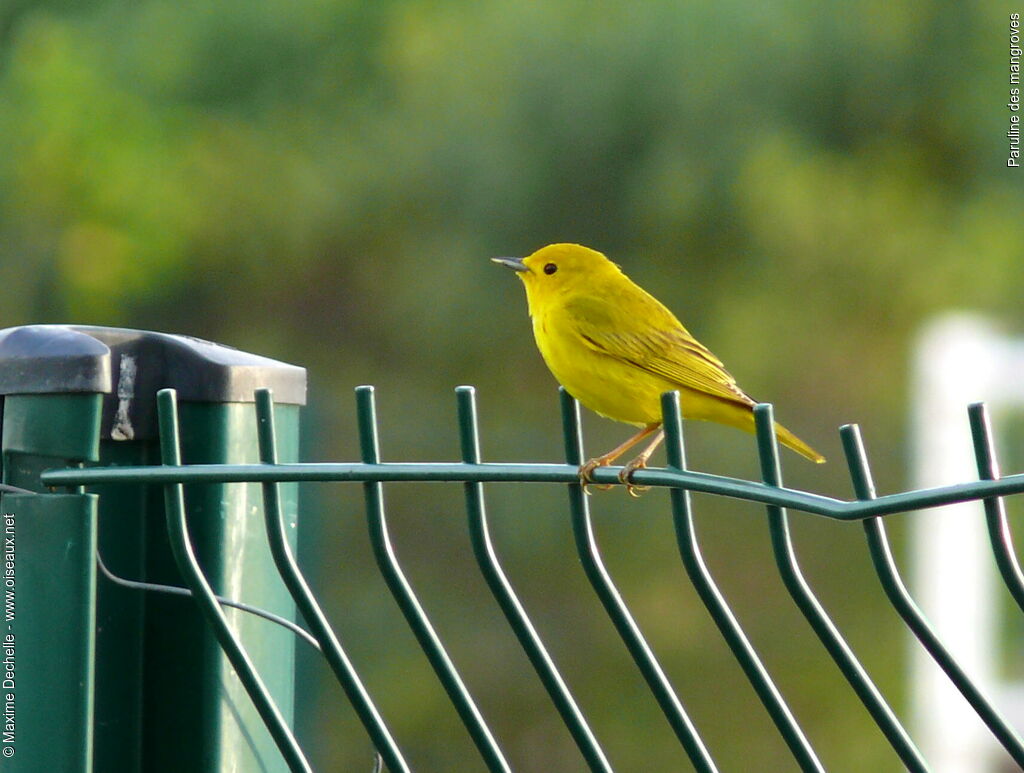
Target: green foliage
324	181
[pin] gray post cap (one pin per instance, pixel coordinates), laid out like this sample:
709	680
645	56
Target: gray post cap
130	366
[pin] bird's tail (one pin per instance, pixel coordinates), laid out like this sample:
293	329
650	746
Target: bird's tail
790	440
740	413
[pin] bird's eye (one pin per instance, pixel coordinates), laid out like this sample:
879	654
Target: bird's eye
550	268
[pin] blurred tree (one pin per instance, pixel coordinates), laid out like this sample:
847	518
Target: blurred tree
322	181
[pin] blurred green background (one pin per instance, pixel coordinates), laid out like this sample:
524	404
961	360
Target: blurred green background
322	182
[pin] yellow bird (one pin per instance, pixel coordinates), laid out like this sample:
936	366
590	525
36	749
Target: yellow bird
616	349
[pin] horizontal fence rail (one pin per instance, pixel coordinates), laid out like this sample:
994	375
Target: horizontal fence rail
472	472
491	472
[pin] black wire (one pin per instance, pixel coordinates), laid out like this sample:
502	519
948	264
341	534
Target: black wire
7	488
174	590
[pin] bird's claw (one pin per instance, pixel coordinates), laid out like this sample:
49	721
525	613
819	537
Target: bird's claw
626	475
587	475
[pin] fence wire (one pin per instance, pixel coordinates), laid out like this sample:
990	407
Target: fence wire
472	472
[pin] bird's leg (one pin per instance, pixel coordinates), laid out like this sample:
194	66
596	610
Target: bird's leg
587	469
638	464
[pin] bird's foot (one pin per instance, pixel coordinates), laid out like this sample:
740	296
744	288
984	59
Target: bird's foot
626	476
587	473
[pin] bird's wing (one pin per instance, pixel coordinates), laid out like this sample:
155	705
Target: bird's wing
650	338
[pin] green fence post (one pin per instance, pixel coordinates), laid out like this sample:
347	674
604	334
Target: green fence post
166	699
50	388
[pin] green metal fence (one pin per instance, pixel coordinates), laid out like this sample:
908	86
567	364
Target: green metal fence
43	452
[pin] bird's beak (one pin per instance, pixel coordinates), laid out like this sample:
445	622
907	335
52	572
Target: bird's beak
516	264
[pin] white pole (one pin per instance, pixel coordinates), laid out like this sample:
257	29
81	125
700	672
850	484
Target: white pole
960	359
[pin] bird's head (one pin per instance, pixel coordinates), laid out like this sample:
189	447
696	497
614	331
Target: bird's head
560	269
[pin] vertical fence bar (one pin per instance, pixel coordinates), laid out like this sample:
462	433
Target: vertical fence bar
885	566
995	512
400	588
714	601
593	566
181	545
807	602
505	595
48	642
332	650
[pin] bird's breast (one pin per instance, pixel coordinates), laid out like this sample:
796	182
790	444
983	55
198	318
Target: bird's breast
604	384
